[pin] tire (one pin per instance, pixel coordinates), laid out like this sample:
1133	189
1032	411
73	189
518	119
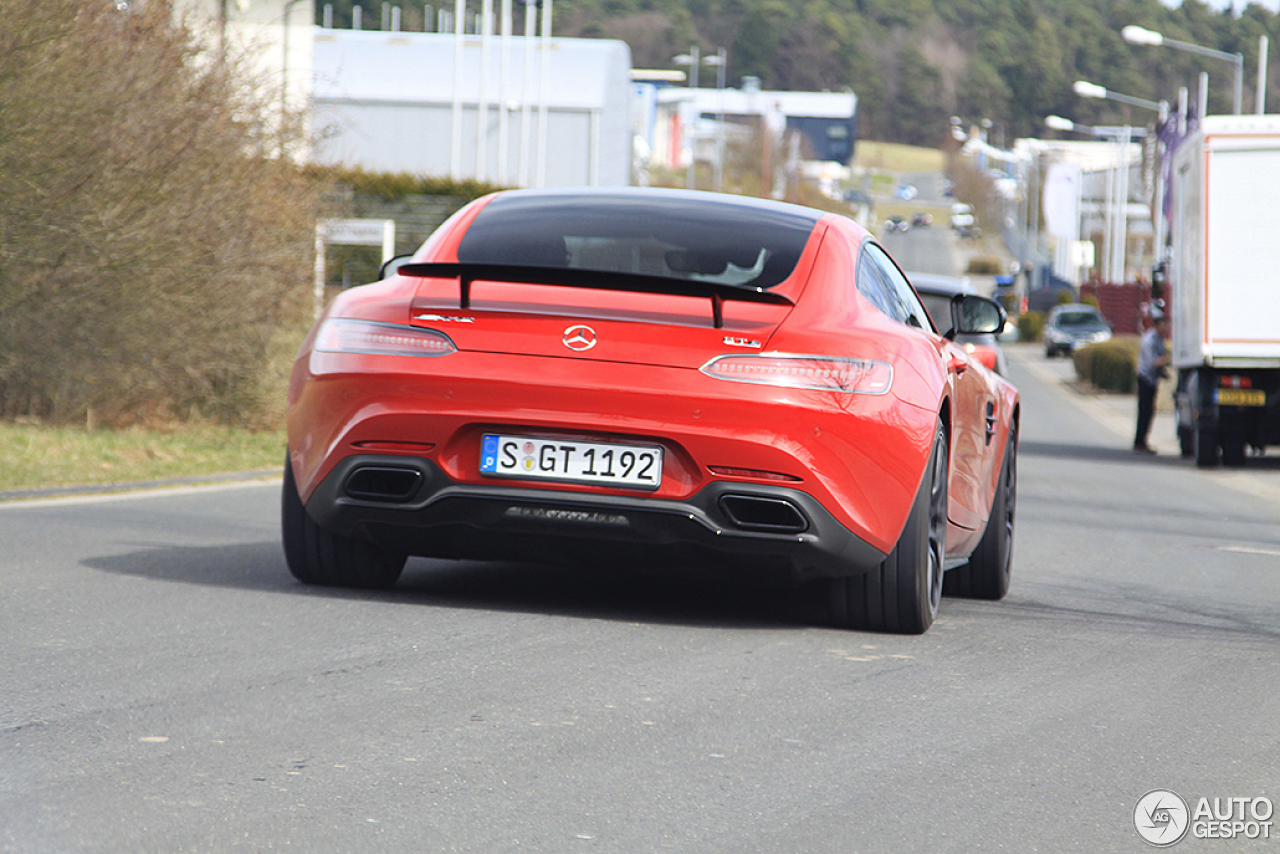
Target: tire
1206	447
1231	441
1184	411
903	593
990	567
318	556
1205	441
1186	442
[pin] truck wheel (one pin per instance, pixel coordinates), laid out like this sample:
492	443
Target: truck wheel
1232	443
1184	416
1206	448
1186	442
318	556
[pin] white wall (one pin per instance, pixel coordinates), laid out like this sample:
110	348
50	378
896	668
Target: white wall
384	101
257	30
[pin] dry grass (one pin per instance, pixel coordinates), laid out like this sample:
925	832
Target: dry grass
896	157
36	456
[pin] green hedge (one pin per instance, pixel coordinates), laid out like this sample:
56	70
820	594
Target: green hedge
1030	325
1111	365
984	265
397	185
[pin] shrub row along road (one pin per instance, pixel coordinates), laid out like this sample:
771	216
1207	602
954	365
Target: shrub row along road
166	686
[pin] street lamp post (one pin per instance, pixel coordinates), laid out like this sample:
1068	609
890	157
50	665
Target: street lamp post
695	60
1090	90
1140	35
719	62
692	59
1110	219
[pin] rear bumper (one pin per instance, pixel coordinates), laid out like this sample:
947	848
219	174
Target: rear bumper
409	505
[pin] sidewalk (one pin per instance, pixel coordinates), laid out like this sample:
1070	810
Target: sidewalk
1118	413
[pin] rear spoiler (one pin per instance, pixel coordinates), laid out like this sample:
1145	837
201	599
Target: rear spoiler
573	277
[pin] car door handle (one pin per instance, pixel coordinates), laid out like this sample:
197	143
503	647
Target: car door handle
957	365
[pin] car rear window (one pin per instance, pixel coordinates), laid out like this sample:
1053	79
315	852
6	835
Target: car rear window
1079	318
677	235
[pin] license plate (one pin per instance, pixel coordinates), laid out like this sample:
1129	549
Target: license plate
632	466
1242	397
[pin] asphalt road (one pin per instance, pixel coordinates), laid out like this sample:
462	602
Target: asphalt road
166	687
923	249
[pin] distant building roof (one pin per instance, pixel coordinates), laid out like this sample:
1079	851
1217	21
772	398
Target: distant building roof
754	102
356	65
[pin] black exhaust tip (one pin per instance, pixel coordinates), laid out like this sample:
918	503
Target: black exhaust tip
766	515
389	484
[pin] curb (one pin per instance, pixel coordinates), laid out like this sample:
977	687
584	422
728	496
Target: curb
132	486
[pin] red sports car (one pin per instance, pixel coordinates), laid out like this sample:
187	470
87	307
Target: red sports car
661	378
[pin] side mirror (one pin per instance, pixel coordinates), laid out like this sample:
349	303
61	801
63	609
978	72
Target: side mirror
392	266
972	314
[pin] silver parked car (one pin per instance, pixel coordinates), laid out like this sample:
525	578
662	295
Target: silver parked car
1072	326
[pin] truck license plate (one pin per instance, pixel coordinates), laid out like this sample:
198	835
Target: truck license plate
1242	397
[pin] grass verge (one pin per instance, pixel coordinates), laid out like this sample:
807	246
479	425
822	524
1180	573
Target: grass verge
37	457
896	157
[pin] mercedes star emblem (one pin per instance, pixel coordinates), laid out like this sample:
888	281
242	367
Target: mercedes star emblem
579	338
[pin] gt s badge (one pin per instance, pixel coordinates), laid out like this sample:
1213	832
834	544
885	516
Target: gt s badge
742	342
579	338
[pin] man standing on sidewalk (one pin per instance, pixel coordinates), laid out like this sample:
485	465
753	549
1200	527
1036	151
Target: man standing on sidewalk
1153	357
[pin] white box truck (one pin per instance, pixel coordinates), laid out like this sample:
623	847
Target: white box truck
1224	287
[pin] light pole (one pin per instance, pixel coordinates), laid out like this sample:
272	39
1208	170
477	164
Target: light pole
692	59
695	60
1090	90
1110	217
719	62
1140	35
284	76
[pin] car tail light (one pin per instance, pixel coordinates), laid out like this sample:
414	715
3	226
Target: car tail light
985	355
1232	381
342	335
821	373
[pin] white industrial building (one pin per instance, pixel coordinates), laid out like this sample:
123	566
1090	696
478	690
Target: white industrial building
679	123
272	36
1096	201
512	110
508	110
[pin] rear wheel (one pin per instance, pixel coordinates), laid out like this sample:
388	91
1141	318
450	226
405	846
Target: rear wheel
1205	442
318	556
1186	442
902	595
987	574
1231	441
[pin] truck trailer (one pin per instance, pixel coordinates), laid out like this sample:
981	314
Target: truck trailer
1224	287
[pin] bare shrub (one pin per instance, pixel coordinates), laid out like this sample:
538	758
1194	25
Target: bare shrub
153	246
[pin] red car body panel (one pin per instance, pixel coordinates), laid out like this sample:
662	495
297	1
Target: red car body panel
861	457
